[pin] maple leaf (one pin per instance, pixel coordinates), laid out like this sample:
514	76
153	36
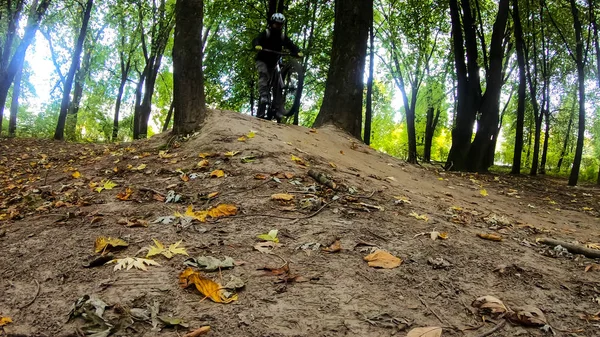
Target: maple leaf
105	185
173	249
76	175
271	236
217	174
382	259
102	243
133	262
124	195
205	286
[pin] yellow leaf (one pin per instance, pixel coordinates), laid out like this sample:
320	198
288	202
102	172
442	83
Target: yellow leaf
430	331
440	178
334	247
212	195
402	200
165	154
137	168
483	193
587	209
5	321
103	243
115	169
271	236
382	259
443	235
332	165
282	197
231	153
217	174
299	160
203	163
242	139
251	134
124	195
222	210
491	237
133	262
159	248
105	185
206	287
419	217
76	175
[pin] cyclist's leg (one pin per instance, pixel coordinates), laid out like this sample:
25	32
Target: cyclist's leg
263	87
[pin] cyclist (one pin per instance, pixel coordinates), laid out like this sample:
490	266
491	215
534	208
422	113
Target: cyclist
272	39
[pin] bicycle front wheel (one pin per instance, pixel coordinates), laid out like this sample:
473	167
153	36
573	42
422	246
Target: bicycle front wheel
291	91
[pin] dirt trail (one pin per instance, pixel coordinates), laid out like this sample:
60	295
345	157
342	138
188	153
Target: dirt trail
49	221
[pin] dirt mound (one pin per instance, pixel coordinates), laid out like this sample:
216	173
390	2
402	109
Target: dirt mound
57	200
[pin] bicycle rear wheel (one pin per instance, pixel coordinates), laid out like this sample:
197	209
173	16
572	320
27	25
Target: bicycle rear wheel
291	91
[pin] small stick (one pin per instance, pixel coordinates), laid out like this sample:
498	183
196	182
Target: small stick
37	292
433	312
572	248
147	189
496	328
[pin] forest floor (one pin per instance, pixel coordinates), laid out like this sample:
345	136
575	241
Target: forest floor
51	215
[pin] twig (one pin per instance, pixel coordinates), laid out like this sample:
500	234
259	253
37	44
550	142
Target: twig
496	328
433	312
37	292
282	217
572	248
147	189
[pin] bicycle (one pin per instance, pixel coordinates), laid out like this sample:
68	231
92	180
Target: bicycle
284	88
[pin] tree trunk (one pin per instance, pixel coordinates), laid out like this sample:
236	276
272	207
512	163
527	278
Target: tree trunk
369	108
433	116
252	98
14	104
307	46
188	79
574	177
7	75
520	46
342	101
125	68
492	150
468	86
82	73
546	141
563	153
169	116
64	105
490	104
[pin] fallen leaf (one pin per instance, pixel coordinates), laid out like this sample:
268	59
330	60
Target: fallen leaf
251	134
206	286
159	248
248	159
200	331
402	200
102	243
490	305
491	237
590	317
173	321
266	247
231	153
285	269
131	262
437	235
528	316
76	175
222	210
260	176
210	263
105	185
5	320
592	267
204	155
313	130
419	217
334	247
203	163
235	283
137	168
282	197
124	195
332	165
217	174
299	160
483	193
271	236
431	331
212	195
133	223
242	139
165	154
382	259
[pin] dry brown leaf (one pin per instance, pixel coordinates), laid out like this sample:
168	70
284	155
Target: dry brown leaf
217	174
590	317
491	237
124	195
267	246
592	267
205	286
490	305
260	176
282	197
285	269
334	247
382	259
131	223
102	243
528	316
332	165
430	331
200	331
299	161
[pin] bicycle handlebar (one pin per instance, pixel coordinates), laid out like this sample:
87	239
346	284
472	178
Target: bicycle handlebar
279	52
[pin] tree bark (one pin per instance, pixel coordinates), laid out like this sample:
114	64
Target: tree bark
7	75
342	101
73	110
563	153
433	116
188	79
520	46
64	105
574	177
369	107
14	104
169	116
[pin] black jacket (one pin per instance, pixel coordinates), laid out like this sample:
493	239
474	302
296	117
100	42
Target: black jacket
273	40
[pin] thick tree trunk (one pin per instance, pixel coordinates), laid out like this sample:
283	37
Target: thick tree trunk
574	177
369	108
342	101
64	105
14	104
520	46
490	105
188	79
433	116
7	74
82	73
